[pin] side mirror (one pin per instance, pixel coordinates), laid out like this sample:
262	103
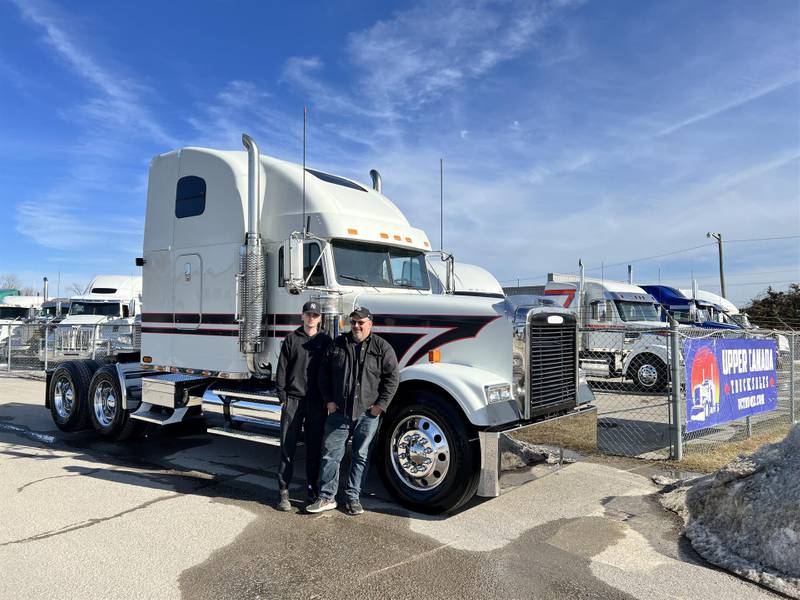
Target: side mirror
293	262
132	308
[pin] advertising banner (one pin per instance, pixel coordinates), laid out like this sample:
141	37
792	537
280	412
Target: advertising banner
728	379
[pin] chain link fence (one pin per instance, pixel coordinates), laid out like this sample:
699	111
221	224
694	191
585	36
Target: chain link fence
641	414
787	371
38	346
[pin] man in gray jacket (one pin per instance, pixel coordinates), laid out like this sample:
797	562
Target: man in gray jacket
358	379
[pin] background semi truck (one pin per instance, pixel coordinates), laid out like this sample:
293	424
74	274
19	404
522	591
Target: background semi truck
236	242
622	331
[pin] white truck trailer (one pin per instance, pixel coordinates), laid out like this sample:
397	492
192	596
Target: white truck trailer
236	242
100	322
623	334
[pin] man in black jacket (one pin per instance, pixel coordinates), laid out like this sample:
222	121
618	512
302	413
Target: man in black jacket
302	405
358	379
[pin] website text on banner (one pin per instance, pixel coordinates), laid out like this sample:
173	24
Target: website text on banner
728	379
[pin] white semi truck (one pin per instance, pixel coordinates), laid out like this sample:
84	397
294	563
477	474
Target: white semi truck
15	313
236	242
100	322
623	334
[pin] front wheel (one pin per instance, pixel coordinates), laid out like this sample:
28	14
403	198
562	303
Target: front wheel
428	461
649	373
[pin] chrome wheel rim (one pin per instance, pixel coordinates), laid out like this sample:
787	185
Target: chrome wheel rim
648	375
420	452
105	404
64	398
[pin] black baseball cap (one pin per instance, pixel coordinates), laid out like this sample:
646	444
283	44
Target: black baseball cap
311	307
362	312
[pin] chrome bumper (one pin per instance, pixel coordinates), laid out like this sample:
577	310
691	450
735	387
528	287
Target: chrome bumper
576	431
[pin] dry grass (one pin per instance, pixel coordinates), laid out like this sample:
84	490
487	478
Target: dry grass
706	458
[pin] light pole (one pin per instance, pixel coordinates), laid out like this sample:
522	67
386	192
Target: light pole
718	237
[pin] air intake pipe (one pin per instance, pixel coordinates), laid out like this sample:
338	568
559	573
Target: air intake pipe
251	278
377	185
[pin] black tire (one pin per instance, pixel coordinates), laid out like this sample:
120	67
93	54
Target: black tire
110	418
69	388
458	482
649	373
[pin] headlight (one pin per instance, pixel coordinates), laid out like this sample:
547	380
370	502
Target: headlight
498	393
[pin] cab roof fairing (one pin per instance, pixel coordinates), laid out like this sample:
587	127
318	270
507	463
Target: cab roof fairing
334	209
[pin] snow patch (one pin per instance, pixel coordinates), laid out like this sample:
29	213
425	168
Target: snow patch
746	516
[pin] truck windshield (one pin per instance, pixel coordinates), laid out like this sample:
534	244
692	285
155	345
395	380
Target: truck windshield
105	309
379	266
636	311
13	312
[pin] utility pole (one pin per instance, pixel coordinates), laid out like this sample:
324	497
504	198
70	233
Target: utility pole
718	237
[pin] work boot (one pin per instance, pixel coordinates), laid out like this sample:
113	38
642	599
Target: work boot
321	505
283	503
354	507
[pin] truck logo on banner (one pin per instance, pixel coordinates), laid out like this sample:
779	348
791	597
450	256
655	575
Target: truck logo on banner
728	379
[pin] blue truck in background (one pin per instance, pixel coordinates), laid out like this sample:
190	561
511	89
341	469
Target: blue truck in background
688	311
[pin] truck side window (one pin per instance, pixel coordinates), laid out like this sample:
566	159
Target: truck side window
125	311
190	197
310	257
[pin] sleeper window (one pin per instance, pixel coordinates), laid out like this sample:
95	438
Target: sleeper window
190	197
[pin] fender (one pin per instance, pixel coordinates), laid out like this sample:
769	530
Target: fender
648	344
466	386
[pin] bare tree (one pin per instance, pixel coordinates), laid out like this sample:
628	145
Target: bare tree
28	291
77	288
10	281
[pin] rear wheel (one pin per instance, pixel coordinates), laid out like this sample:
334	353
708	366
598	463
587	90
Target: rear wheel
428	462
68	391
107	414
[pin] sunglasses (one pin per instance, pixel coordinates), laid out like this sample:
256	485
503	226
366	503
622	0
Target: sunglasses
311	314
359	323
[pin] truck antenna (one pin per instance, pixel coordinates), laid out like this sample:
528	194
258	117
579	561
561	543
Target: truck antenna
305	118
441	203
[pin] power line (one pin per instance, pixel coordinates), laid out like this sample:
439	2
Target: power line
782	237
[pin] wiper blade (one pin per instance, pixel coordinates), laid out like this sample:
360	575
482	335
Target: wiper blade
354	278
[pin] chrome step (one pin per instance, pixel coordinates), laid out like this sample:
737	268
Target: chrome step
254	408
250	436
163	416
266	396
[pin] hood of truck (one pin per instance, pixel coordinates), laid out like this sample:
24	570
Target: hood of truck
86	320
466	330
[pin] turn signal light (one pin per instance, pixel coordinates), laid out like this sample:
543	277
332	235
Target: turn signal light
352	231
147	359
435	356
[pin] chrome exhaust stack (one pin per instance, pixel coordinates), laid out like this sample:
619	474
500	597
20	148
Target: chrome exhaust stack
251	277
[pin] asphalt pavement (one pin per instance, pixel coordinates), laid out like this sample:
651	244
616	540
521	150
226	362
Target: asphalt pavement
185	514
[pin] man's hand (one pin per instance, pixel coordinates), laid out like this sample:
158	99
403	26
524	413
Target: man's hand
375	410
332	407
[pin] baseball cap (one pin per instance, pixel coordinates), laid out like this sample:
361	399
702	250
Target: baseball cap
311	307
362	312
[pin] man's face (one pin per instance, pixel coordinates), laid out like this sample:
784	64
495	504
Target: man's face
360	328
311	319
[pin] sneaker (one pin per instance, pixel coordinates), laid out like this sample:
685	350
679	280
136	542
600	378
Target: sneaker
354	507
283	504
321	505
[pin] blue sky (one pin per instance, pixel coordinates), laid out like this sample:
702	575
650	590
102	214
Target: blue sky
607	131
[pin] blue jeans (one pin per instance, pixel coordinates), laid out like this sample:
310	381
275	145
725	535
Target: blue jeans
338	429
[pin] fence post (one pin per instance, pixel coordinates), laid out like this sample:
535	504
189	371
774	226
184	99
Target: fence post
8	366
677	420
46	327
792	412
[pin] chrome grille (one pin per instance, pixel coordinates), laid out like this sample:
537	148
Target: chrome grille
552	384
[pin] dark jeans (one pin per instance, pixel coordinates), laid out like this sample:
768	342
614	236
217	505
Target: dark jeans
338	429
310	415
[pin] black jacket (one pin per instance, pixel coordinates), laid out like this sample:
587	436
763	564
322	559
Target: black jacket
299	362
380	375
